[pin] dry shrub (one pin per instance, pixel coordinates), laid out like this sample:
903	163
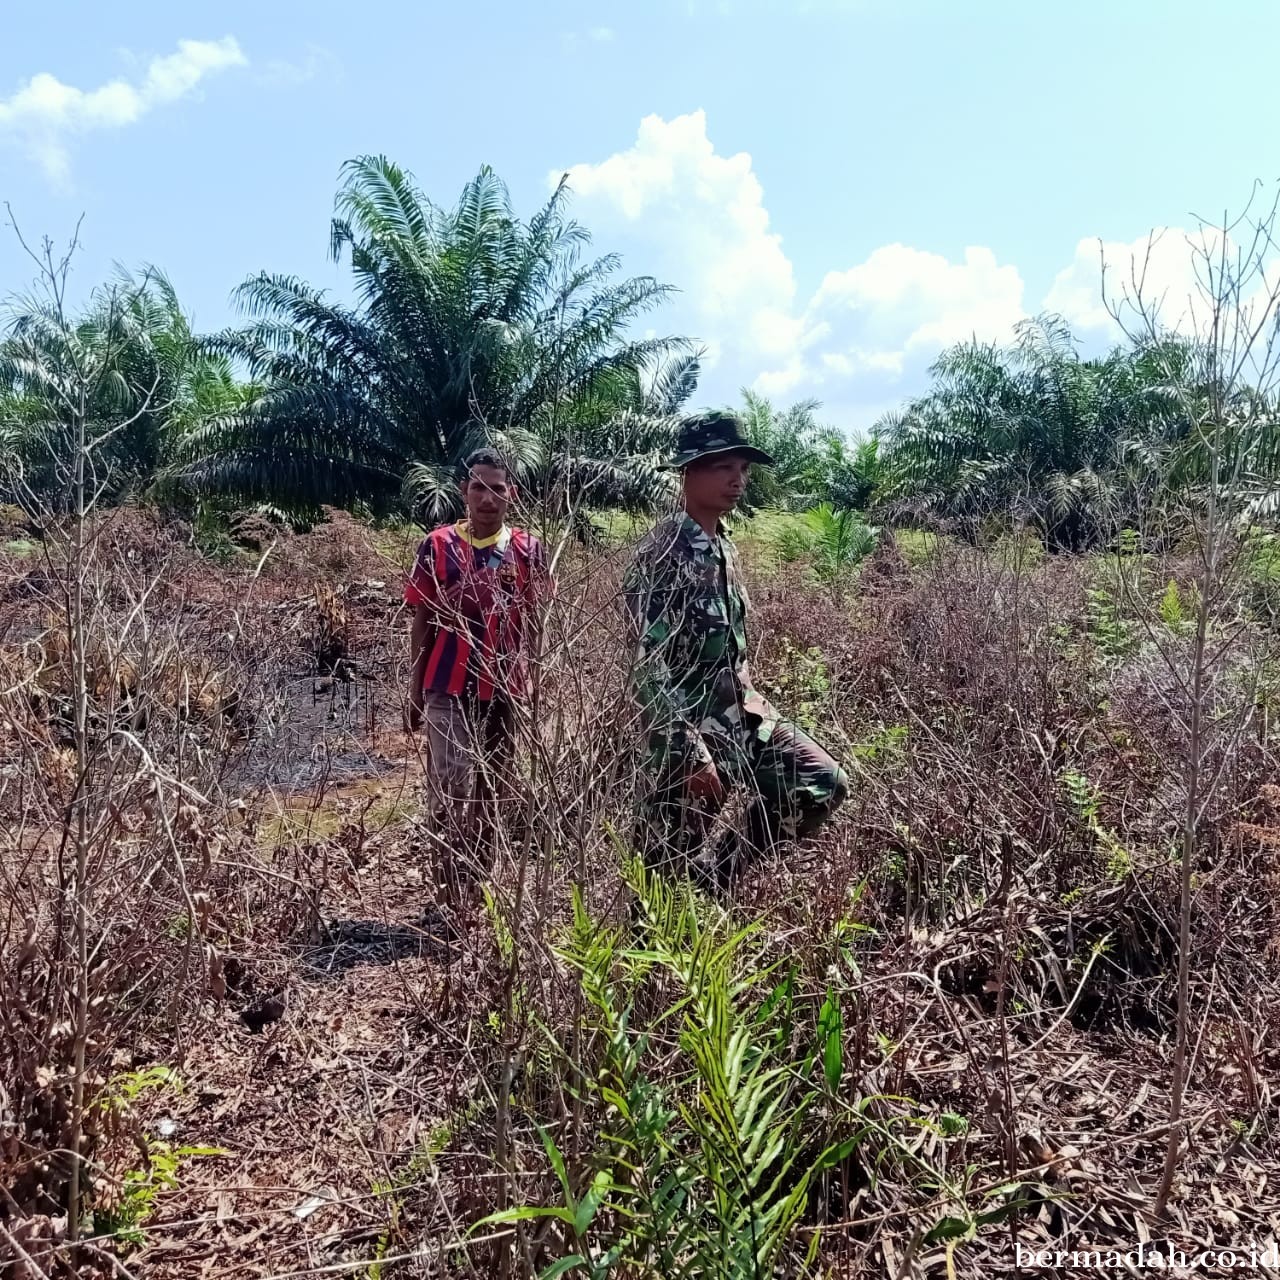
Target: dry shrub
255	531
996	895
178	667
1012	722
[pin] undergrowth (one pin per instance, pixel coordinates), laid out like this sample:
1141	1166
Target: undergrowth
723	1121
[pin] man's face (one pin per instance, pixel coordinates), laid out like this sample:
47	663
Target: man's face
718	482
488	492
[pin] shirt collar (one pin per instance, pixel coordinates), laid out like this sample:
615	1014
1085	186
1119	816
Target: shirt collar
464	532
693	533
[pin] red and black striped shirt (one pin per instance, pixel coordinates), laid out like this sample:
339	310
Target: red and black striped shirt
480	597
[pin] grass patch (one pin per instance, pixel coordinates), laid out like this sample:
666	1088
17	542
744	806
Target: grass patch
618	529
309	821
766	528
395	540
917	545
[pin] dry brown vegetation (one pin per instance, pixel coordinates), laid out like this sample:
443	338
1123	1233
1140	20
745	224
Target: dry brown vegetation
284	1074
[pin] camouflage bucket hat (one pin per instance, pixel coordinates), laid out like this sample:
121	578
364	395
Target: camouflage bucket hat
706	434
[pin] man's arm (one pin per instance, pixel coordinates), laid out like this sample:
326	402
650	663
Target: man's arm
656	618
420	594
422	636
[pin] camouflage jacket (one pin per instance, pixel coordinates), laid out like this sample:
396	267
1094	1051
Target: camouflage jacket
688	607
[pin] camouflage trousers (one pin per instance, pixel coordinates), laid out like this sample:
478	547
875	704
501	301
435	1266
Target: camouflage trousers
790	786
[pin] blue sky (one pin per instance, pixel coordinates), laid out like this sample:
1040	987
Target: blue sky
837	188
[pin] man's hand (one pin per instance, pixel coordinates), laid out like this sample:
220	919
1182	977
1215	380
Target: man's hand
413	710
705	786
420	638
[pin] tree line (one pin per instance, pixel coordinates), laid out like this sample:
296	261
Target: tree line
469	325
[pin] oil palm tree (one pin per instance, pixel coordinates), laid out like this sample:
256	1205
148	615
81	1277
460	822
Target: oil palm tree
468	326
610	447
813	463
132	356
1033	432
801	448
854	474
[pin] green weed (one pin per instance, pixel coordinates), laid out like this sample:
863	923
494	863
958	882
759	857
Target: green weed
713	1140
126	1218
419	1167
1085	800
885	746
803	684
124	1213
1113	635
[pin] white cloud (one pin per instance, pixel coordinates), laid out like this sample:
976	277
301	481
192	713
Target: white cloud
572	41
702	216
1160	267
286	73
44	114
1076	292
865	338
1172	271
896	310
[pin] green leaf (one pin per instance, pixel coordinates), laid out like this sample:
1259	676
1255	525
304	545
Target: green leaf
950	1229
600	1187
557	1163
839	1153
778	1006
830	1029
522	1214
564	1264
775	997
1006	1189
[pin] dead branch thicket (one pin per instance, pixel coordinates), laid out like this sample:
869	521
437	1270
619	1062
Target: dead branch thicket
997	906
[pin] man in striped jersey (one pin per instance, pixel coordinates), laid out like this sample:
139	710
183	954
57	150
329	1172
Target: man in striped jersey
477	591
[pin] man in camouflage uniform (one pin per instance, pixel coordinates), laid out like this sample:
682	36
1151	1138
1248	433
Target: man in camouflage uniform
709	730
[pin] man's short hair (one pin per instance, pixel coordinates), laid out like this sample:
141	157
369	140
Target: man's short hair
484	457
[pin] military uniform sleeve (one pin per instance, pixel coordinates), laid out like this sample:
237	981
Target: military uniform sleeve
653	609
